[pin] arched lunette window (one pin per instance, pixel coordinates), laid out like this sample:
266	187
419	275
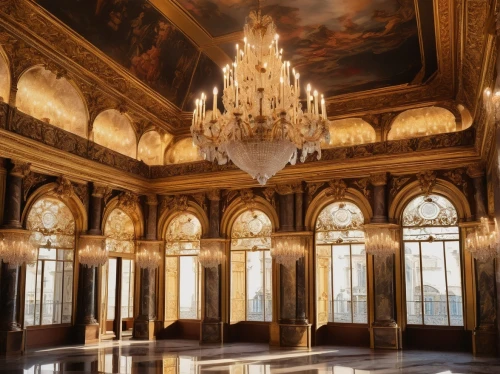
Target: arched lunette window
49	282
251	268
432	262
341	265
183	280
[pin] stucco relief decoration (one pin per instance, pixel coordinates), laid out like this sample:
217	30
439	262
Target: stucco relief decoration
128	201
363	185
427	181
251	231
119	232
269	194
339	222
4	79
397	183
336	189
431	210
31	180
247	197
456	176
183	235
312	188
52	224
64	188
178	203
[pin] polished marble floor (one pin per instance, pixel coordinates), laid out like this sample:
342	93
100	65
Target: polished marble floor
181	356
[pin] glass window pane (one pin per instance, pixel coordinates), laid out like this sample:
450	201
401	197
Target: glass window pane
67	292
255	286
47	253
359	295
341	283
48	301
188	284
268	282
127	298
454	278
30	299
434	282
412	282
111	289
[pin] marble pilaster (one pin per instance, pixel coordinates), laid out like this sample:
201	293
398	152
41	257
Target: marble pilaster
484	338
95	209
13	196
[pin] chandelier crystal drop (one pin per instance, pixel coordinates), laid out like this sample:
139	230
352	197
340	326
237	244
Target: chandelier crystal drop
483	243
93	252
263	124
16	249
148	256
379	242
211	254
287	250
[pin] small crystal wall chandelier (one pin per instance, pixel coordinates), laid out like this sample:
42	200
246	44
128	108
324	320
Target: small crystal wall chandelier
16	248
287	250
148	256
263	125
379	242
211	253
92	251
483	242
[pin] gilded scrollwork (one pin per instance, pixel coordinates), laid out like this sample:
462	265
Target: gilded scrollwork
427	181
456	176
64	188
82	191
431	210
128	201
183	235
363	185
178	203
31	180
312	188
119	232
251	231
336	189
397	183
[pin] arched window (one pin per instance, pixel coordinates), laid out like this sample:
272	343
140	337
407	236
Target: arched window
422	122
251	268
53	100
114	130
183	281
4	79
150	149
49	282
183	151
432	262
120	242
350	131
341	265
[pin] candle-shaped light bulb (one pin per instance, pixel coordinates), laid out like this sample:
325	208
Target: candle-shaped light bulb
236	90
323	110
315	94
308	98
214	107
197	110
203	97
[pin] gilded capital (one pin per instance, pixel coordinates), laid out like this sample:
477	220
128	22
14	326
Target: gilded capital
99	190
151	199
285	189
20	169
475	170
378	179
213	194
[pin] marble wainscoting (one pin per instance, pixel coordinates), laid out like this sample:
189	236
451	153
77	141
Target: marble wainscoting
181	356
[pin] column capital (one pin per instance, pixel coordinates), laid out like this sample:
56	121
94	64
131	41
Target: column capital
19	168
285	189
213	194
99	190
379	179
151	199
475	170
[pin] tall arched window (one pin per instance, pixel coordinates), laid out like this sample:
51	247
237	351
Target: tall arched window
341	265
41	94
150	149
432	259
251	268
183	281
4	78
114	130
49	282
120	271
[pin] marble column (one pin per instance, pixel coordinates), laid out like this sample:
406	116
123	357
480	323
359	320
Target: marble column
144	324
212	326
384	330
87	326
484	340
496	188
3	183
294	329
11	335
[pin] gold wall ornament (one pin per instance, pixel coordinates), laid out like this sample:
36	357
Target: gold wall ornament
336	189
312	188
456	176
363	184
82	191
427	181
397	183
151	199
213	194
64	188
120	232
248	198
285	189
178	203
127	201
31	180
19	168
269	194
200	199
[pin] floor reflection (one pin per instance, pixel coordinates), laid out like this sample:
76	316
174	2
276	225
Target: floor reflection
187	357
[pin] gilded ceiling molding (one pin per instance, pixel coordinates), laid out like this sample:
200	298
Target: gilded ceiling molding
427	181
336	189
35	26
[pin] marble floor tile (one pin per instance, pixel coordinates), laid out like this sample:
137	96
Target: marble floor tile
188	357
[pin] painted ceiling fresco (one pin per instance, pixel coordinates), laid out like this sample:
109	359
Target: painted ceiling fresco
341	46
138	37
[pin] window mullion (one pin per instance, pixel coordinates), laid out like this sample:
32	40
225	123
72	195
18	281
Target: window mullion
446	283
41	291
62	292
421	282
350	276
333	293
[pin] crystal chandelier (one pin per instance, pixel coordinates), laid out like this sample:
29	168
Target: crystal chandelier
379	242
263	124
211	253
483	243
16	248
148	256
287	250
93	251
